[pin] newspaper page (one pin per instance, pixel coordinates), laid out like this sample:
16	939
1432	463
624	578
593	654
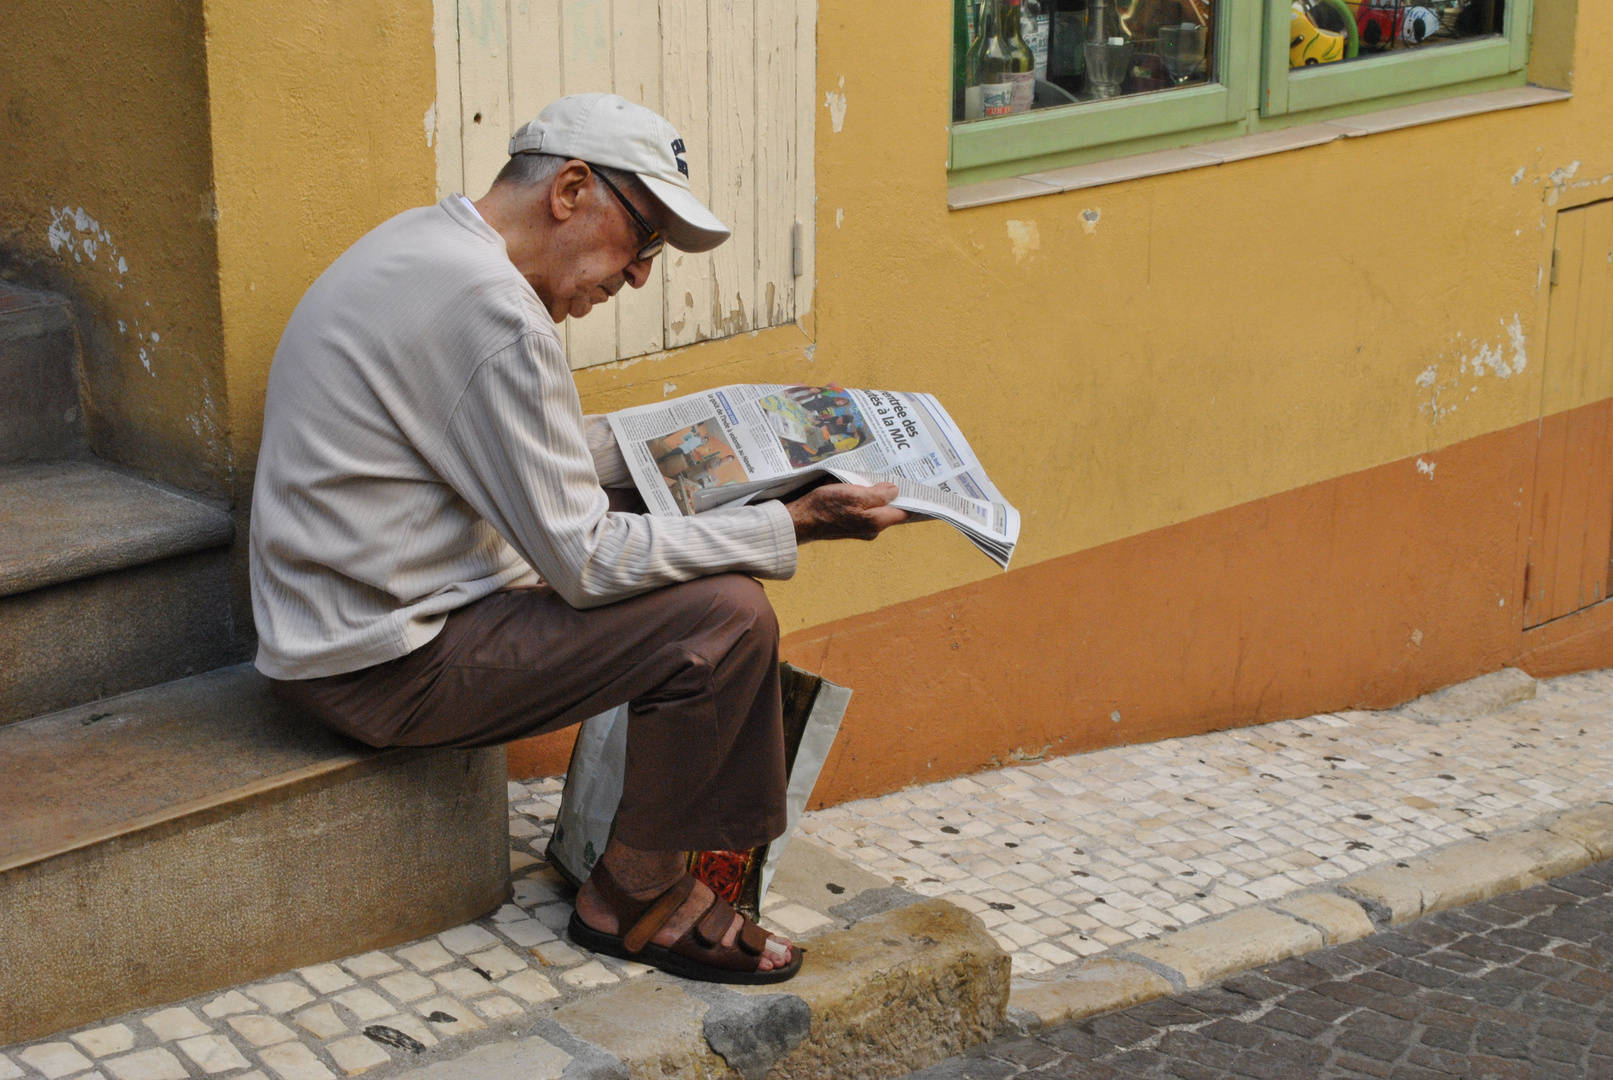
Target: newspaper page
741	443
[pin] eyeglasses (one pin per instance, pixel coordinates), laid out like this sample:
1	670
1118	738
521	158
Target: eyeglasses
652	239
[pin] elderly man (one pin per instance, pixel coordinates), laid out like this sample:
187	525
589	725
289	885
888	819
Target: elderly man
436	563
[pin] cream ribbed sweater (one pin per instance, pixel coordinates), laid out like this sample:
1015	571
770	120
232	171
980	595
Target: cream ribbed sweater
424	445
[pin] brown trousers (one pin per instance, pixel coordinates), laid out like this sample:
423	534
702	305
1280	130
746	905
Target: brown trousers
698	662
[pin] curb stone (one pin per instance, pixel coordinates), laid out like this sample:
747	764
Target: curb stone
1458	874
1475	697
898	991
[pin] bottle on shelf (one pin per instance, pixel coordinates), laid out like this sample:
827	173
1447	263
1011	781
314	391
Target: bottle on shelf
1035	24
1007	66
974	107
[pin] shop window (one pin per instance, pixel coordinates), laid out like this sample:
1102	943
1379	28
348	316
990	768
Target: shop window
735	78
1325	53
1043	83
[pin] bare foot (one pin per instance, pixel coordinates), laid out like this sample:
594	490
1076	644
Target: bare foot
644	875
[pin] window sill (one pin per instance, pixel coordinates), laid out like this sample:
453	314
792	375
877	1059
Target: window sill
1115	170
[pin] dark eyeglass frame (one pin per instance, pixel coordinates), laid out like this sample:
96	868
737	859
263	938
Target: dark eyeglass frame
653	240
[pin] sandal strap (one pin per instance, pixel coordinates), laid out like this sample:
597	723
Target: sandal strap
713	926
656	917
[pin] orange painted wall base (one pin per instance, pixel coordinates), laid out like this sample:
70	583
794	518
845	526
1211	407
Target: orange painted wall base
1360	592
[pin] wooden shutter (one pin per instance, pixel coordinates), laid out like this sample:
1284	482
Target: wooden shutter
1572	529
735	77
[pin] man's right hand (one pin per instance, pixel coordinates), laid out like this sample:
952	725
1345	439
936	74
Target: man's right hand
845	512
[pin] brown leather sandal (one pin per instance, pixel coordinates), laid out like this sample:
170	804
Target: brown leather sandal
699	954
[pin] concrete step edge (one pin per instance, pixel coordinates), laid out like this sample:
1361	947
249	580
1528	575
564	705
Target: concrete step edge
66	520
186	814
1352	908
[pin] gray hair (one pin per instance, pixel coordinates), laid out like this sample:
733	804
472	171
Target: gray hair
537	170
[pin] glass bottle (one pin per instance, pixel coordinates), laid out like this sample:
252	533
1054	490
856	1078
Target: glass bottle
973	93
1007	67
1035	25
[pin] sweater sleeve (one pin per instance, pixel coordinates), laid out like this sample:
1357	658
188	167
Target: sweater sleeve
518	450
608	460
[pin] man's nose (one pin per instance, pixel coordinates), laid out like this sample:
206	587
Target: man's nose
637	272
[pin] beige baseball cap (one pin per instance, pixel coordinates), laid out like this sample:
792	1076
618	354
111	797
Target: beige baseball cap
609	130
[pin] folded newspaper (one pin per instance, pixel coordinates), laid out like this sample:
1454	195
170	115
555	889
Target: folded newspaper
747	442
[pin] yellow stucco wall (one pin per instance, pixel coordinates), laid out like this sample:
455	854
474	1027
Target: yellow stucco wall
106	194
1133	356
1123	358
316	110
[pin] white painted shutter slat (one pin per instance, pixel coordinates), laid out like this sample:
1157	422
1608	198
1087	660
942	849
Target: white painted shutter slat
685	101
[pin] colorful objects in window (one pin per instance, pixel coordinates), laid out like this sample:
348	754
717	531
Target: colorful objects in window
1321	32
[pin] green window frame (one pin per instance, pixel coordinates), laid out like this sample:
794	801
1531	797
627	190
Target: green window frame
1482	64
1100	125
1255	91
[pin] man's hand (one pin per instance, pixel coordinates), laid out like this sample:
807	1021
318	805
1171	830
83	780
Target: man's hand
845	512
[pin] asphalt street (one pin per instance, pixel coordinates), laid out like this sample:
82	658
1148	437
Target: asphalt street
1514	988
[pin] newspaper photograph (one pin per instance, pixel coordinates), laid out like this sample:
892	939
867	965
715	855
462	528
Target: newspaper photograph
741	443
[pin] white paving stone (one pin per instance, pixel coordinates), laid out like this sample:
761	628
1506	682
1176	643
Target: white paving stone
294	1061
589	975
176	1023
9	1069
407	986
371	964
530	987
448	1016
326	978
55	1059
366	1004
261	1030
498	961
229	1004
527	932
498	1007
427	956
557	954
322	1021
464	982
467	938
154	1064
213	1053
357	1054
99	1042
280	997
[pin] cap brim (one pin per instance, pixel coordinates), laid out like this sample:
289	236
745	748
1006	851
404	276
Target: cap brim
693	227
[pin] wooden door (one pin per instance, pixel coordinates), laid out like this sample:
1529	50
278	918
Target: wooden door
1572	528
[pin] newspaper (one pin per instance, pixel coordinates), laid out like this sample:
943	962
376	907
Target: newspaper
742	443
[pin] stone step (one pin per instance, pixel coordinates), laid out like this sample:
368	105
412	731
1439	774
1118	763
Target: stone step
108	582
40	416
201	833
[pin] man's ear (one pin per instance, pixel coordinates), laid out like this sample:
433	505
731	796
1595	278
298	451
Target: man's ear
567	189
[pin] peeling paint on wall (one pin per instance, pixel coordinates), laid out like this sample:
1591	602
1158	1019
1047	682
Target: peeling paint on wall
1089	221
1025	237
431	123
1493	358
1426	467
836	104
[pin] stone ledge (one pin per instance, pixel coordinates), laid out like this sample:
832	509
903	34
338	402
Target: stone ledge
897	992
187	837
74	519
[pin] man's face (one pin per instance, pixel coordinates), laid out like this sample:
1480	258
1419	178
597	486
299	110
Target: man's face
602	243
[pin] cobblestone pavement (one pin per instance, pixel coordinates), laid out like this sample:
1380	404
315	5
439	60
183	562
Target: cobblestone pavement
1066	857
1515	988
